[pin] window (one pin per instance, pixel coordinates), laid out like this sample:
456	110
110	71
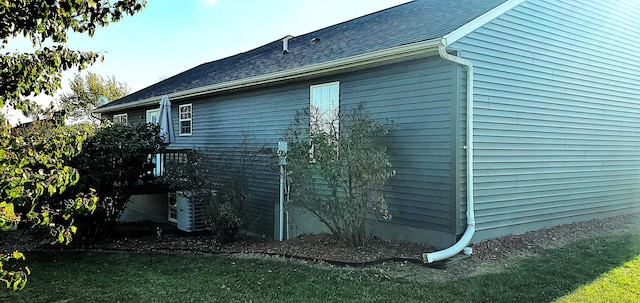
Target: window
324	113
157	159
325	108
185	119
120	119
152	115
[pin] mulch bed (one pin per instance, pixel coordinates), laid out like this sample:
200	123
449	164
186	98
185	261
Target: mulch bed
324	248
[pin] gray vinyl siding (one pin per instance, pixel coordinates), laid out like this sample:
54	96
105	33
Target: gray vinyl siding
221	123
133	116
459	126
414	98
557	114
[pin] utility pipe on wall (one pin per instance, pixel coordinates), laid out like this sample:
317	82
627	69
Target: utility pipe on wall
281	206
471	221
282	157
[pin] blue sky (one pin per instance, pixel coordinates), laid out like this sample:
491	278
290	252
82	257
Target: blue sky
171	36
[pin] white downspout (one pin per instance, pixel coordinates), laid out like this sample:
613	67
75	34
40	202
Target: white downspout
471	221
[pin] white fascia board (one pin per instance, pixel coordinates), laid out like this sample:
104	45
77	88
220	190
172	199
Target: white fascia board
480	21
429	47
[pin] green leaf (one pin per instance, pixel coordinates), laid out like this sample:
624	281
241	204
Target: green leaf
18	255
15	192
39	189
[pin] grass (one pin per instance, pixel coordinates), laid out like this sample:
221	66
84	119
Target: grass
577	271
618	285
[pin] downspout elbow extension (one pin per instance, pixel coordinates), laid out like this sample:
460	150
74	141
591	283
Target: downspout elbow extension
453	250
464	241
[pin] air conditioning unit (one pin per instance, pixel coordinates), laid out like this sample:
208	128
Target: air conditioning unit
190	215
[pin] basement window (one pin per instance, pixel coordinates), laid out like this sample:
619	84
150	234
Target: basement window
186	116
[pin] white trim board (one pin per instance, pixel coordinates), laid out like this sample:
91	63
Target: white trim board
476	23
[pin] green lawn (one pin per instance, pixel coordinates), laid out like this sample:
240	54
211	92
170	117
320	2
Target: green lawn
580	270
622	284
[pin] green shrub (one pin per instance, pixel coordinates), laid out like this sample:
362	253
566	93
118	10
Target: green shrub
225	214
235	169
112	162
220	183
337	170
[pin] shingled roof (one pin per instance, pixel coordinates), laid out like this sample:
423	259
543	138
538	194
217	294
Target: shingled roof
412	22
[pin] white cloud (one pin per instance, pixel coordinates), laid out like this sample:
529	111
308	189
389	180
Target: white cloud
211	2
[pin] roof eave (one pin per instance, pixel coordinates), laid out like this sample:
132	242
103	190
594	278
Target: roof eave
424	48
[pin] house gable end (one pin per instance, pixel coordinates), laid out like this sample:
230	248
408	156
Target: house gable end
557	115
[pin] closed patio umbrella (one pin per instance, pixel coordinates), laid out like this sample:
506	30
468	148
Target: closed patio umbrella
165	121
166	132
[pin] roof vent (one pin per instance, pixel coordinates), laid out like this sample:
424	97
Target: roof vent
285	44
315	40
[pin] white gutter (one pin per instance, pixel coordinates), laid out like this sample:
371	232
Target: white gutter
398	52
471	221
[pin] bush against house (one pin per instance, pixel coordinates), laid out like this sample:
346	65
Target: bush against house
337	169
112	162
220	182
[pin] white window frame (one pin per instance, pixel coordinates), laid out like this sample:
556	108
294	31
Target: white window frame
186	117
156	159
150	113
121	118
314	99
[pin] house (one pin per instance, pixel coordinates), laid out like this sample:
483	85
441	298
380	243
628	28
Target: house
511	115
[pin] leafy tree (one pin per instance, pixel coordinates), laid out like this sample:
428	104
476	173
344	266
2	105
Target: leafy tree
49	20
337	166
85	92
33	165
35	171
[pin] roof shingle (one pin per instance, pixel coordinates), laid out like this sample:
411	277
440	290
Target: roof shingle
412	22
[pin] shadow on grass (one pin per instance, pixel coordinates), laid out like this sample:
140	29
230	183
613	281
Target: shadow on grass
76	276
552	274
